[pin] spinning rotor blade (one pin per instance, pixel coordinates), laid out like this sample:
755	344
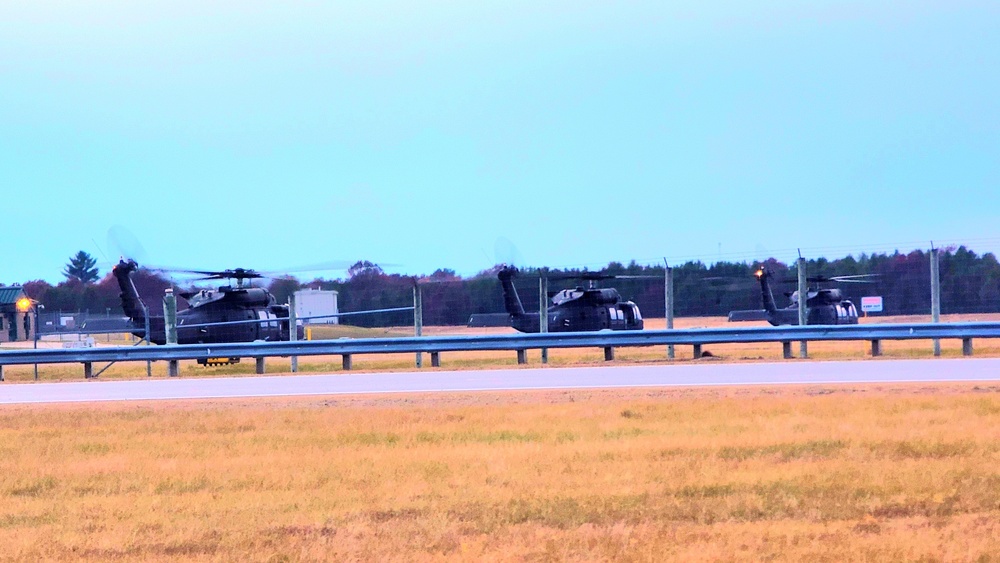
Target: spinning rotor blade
317	267
236	273
505	252
122	242
858	278
590	276
594	276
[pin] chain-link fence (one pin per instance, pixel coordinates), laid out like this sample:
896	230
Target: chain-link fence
969	285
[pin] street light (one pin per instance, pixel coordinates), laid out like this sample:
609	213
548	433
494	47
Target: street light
24	305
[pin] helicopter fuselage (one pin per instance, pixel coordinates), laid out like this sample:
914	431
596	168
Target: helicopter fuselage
823	306
573	310
251	311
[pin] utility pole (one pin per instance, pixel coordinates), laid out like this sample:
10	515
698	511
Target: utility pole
935	294
803	296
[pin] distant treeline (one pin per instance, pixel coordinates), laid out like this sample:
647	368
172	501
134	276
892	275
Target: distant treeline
969	284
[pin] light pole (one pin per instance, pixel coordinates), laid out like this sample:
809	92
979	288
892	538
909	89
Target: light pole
27	305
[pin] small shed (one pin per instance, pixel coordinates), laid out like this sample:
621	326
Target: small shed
16	315
316	302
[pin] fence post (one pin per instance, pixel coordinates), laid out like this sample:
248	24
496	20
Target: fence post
293	329
935	295
543	311
418	317
36	307
170	326
146	337
803	296
668	296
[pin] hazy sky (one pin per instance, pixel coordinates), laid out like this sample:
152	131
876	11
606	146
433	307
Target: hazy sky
270	135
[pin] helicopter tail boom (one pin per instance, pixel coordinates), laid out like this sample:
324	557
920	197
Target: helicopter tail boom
767	297
131	303
511	301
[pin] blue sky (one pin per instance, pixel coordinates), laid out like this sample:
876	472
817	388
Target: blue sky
271	135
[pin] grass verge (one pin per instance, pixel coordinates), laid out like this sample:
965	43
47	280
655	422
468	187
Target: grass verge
818	473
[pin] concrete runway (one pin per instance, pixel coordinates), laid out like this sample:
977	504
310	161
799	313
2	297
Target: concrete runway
784	373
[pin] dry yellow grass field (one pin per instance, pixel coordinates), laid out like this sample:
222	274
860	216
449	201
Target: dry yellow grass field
586	356
848	473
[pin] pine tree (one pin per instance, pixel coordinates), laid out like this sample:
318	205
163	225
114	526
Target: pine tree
81	267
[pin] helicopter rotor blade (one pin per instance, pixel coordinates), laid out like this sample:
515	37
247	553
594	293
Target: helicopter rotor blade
317	267
122	242
857	278
595	276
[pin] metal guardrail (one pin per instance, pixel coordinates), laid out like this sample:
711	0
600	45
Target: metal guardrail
435	345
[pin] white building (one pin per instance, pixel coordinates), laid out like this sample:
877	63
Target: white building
313	302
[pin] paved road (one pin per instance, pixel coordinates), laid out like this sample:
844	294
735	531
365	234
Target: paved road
791	372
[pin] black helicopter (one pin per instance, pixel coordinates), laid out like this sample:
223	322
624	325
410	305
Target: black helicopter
572	310
824	306
225	304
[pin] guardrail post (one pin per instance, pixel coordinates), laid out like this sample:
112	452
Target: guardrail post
435	359
697	351
966	346
170	326
346	362
260	365
522	357
786	350
88	370
609	353
876	348
293	330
